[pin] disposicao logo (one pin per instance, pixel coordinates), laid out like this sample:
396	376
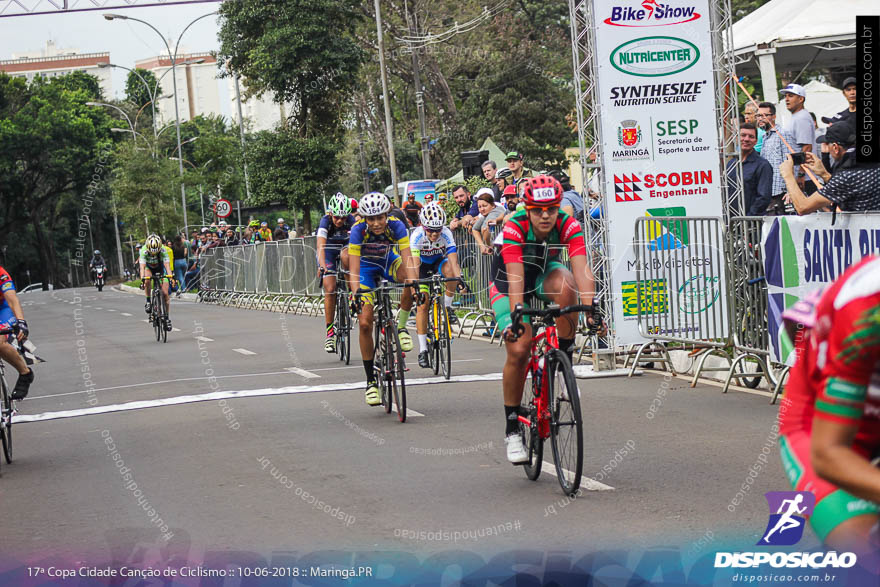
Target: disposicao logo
655	56
789	511
651	13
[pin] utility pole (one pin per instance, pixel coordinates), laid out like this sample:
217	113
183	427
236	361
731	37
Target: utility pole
364	171
420	98
389	130
247	181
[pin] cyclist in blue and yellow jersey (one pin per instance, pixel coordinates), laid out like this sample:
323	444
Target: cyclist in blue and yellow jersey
156	263
433	247
333	233
12	316
378	248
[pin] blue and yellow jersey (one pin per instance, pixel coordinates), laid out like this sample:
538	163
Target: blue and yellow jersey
366	244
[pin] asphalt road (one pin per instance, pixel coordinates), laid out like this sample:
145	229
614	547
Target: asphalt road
298	461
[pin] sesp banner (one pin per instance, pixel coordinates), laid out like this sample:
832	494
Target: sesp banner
805	253
659	132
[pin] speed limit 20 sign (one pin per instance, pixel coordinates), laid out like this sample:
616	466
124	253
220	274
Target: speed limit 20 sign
223	208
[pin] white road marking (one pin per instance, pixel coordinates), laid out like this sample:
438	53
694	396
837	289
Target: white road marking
244	352
125	314
98	308
409	412
586	372
175	329
182	379
204	339
218	395
586	483
144	320
110	310
302	372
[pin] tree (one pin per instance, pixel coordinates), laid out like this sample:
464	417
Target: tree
136	91
146	189
293	169
301	50
52	146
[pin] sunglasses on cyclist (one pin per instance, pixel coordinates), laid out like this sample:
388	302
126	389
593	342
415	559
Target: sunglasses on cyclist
340	217
433	230
549	211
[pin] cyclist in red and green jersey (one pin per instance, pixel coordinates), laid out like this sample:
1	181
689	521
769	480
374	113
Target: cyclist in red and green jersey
830	413
528	266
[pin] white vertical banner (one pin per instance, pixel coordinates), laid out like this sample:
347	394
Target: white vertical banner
659	138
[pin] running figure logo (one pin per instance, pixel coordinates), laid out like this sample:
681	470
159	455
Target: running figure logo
786	526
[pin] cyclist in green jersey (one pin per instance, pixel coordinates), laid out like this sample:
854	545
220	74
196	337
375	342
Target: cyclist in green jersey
155	263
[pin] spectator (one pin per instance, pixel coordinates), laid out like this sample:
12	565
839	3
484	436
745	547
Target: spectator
467	209
412	209
489	214
231	238
757	174
281	232
490	172
572	202
850	186
429	198
850	89
265	232
500	182
750	114
249	237
441	199
180	249
801	127
775	152
515	163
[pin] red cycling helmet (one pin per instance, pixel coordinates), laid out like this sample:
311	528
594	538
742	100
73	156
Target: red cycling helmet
542	191
354	205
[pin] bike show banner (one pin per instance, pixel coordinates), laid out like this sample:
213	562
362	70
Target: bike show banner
659	142
805	253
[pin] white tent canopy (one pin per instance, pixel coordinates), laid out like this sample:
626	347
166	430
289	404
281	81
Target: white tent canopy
790	35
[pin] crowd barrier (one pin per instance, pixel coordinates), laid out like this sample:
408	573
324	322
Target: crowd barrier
702	289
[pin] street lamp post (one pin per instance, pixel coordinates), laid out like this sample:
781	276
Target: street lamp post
247	182
173	58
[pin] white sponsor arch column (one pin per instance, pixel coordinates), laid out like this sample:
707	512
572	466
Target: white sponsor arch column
656	105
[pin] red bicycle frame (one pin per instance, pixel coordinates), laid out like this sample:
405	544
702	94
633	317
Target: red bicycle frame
538	364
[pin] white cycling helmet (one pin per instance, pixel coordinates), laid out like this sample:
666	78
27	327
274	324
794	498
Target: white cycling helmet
154	245
432	216
374	204
339	205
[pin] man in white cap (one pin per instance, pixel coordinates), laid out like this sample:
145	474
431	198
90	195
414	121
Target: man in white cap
802	127
281	231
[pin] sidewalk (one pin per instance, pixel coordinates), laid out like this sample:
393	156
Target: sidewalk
187	297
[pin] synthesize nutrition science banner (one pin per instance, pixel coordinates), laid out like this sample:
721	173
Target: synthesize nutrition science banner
659	131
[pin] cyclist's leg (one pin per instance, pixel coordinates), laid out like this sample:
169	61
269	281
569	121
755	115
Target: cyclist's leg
160	275
840	520
394	272
7	351
516	363
331	263
557	285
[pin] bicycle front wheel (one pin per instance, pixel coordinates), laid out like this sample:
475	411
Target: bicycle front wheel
157	318
566	424
444	342
6	420
396	370
433	339
380	366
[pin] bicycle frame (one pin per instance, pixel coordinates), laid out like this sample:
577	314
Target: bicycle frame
542	342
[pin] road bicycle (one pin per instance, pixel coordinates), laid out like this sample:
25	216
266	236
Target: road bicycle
388	359
342	327
439	327
552	407
7	404
158	314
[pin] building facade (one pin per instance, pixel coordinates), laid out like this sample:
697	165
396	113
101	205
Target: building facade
53	62
197	92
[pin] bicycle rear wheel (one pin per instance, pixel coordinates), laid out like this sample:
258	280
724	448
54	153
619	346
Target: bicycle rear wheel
6	420
396	367
343	329
566	424
380	358
531	437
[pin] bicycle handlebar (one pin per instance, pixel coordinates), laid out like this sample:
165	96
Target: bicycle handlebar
546	314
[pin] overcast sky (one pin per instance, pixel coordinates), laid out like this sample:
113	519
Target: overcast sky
126	41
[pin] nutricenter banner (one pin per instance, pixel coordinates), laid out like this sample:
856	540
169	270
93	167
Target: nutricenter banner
659	130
